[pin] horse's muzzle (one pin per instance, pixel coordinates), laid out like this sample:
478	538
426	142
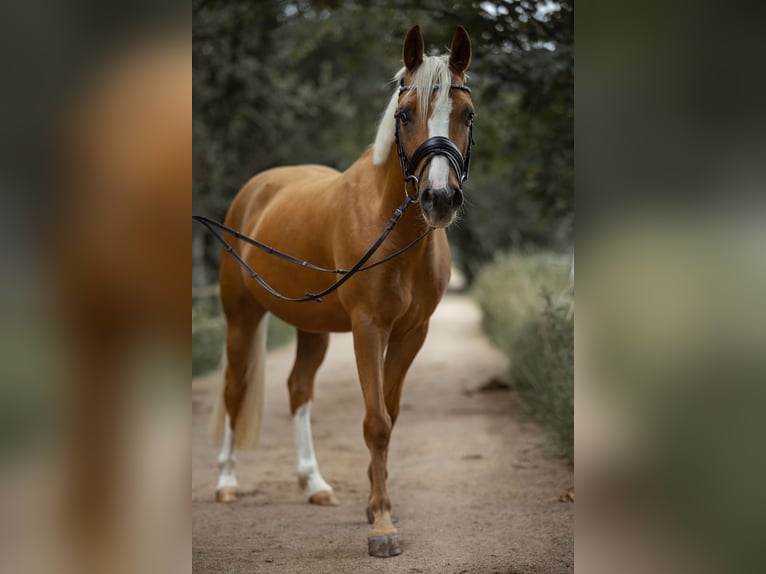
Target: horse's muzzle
440	206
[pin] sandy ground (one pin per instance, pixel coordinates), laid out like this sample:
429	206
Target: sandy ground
473	486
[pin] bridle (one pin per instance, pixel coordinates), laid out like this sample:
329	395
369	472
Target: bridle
429	149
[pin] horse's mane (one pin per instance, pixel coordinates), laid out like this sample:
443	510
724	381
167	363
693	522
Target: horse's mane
433	72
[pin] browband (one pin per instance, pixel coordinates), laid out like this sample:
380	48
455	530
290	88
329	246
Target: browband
403	88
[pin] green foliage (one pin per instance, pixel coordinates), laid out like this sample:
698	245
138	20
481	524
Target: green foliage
208	336
536	332
521	193
280	83
279	333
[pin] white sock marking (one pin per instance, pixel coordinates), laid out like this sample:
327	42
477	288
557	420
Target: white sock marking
308	469
438	125
226	459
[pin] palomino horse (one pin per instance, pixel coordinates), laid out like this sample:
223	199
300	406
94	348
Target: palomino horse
330	219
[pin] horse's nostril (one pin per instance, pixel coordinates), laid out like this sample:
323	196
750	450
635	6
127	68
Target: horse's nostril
457	198
442	199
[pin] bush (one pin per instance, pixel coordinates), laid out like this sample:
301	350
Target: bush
208	335
522	318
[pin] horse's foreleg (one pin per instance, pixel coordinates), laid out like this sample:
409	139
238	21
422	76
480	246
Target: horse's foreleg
402	349
310	353
369	342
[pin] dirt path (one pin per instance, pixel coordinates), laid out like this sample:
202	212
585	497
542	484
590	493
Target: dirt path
473	488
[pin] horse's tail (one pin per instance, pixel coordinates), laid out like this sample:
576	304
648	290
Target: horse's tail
250	413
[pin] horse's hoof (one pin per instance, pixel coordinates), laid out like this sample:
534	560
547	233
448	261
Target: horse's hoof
384	546
324	498
226	495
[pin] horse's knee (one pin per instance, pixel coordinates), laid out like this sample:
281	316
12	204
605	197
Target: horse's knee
377	430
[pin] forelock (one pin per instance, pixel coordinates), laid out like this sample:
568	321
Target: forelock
432	77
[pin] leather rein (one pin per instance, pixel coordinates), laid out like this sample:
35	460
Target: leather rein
427	150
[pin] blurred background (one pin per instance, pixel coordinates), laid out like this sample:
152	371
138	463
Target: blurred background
95	173
671	244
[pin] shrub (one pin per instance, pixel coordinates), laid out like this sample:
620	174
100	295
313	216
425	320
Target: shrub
522	319
208	335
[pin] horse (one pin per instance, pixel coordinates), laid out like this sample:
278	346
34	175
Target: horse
330	218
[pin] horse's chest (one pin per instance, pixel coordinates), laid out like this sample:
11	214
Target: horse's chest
407	294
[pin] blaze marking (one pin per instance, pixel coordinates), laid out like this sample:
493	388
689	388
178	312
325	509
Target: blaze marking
438	125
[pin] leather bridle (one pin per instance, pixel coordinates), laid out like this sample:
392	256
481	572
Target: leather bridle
429	149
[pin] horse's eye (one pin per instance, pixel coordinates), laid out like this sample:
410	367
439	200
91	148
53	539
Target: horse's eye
469	115
404	116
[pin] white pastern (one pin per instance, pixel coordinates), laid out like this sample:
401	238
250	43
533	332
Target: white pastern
226	459
438	125
308	469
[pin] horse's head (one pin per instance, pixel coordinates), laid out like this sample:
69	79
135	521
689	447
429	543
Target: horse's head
433	124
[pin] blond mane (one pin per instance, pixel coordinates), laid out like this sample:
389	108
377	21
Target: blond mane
432	73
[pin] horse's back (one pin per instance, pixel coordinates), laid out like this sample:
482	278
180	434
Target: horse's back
283	185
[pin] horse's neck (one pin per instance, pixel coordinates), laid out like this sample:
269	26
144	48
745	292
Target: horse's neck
377	192
384	188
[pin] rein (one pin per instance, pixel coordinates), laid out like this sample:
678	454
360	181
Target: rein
429	149
211	225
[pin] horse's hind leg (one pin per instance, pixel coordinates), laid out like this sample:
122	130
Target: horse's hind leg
243	391
311	351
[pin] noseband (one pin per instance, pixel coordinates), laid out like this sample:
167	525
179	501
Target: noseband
432	147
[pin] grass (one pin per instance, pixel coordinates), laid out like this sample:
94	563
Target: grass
528	311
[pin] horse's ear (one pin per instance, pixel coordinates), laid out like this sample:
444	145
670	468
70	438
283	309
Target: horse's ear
413	49
460	51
